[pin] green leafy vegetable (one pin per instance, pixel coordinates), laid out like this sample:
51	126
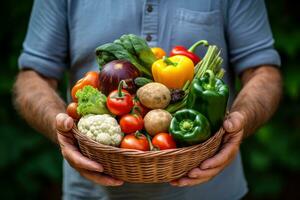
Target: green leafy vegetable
128	47
141	81
91	101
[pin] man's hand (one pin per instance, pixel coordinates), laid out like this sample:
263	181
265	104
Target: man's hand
234	127
254	105
36	99
87	168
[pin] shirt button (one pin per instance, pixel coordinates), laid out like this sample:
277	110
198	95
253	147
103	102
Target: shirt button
148	37
150	8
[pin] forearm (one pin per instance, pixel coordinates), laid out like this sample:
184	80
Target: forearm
37	101
259	97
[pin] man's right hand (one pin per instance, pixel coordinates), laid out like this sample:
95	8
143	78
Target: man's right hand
87	168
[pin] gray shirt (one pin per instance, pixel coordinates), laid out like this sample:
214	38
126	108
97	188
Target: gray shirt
63	35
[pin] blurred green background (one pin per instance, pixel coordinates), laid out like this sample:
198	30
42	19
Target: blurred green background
30	166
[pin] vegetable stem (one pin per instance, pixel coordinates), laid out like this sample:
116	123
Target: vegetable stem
120	87
186	85
211	79
152	147
168	61
194	46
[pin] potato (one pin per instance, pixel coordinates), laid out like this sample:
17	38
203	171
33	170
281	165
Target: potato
157	121
154	95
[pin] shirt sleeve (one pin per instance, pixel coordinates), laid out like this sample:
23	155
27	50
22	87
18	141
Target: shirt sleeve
249	35
45	48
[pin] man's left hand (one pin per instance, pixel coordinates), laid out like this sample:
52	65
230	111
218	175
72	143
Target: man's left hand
234	127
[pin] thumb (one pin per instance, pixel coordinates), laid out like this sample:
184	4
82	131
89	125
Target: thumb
234	122
64	123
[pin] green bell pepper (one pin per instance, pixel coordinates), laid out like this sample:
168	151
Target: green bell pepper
209	96
189	127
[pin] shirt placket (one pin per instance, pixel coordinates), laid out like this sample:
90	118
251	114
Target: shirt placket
150	22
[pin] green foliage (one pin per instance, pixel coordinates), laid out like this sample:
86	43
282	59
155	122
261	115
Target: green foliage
272	154
30	165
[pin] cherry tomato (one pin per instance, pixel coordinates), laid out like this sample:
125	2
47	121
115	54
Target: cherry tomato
72	111
139	108
135	141
164	141
90	78
119	102
158	52
131	123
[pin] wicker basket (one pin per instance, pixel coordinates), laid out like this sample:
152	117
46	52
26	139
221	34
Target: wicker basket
148	166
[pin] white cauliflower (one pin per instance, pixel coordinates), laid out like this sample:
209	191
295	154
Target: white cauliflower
101	128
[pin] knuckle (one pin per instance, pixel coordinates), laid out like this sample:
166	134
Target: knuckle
76	162
73	162
60	120
59	117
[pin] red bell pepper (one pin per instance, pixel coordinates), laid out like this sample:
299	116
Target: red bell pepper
181	50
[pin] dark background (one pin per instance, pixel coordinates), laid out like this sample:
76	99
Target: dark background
30	166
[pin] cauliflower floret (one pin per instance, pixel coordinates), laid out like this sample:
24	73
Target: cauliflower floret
101	128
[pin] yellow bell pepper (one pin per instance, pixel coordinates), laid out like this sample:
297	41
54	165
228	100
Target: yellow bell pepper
174	71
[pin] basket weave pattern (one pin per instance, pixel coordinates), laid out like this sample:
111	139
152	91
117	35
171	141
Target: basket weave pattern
148	166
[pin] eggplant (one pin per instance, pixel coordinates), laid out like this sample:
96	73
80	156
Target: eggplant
115	71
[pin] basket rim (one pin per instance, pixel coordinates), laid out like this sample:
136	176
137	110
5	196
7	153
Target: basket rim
133	152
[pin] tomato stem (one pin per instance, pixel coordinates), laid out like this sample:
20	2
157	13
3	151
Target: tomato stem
137	134
152	147
136	108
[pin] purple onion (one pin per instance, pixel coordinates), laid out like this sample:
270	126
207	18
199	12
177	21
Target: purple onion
115	71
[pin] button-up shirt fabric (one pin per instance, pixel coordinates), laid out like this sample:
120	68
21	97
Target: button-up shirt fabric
63	34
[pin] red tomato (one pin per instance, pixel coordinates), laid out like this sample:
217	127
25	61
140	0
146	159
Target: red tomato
90	78
135	141
139	108
119	105
131	123
164	141
72	111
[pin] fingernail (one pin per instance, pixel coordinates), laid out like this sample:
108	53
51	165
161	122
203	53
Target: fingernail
99	168
68	124
205	167
193	175
117	182
120	182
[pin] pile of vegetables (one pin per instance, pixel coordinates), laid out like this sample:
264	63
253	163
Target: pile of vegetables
141	99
